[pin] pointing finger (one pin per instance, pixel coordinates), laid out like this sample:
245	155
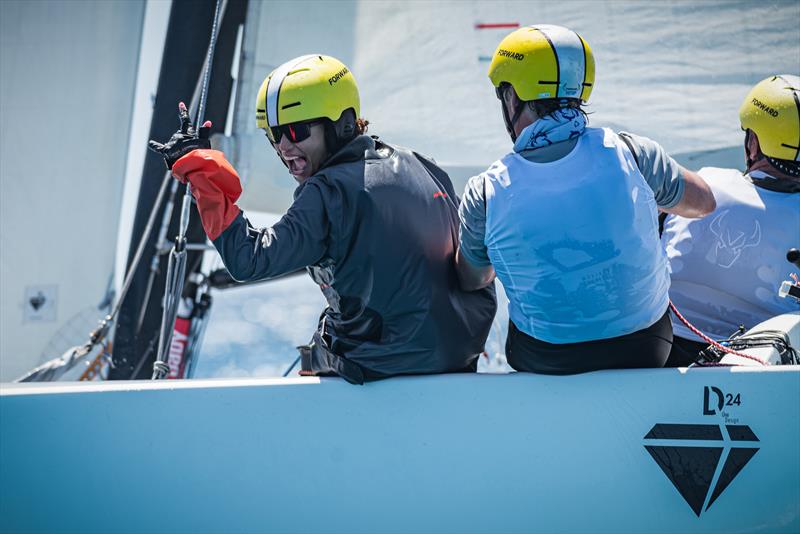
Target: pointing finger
205	130
186	121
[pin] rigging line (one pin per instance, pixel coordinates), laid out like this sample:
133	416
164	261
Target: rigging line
201	109
209	60
176	266
194	106
289	369
99	333
139	251
199	317
156	260
711	341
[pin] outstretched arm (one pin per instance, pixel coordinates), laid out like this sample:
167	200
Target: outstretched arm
677	190
296	241
697	200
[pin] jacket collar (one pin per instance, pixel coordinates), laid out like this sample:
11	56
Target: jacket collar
361	147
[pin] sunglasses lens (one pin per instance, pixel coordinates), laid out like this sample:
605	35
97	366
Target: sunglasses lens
296	132
274	135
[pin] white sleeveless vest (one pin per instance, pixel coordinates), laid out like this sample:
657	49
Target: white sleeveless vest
728	266
575	242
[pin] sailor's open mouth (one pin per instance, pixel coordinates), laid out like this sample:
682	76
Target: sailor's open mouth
296	164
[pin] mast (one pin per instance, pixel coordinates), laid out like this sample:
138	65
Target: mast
184	55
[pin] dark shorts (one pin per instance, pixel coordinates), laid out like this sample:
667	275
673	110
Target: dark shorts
648	347
684	352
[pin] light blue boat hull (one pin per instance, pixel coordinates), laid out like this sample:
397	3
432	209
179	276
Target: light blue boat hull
451	453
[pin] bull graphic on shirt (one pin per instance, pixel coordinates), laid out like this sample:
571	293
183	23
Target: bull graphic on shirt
731	239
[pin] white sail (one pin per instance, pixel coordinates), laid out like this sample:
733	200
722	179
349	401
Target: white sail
675	72
67	79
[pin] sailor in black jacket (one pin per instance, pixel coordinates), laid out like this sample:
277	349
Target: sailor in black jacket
375	225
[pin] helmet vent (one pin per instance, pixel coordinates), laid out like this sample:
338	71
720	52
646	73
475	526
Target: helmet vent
293	104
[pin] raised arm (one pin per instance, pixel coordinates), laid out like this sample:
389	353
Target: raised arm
294	242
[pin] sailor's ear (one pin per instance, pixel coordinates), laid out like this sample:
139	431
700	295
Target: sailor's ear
752	146
510	97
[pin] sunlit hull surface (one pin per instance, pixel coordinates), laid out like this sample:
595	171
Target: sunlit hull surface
622	451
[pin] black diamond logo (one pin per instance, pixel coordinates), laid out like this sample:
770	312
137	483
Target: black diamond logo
690	456
37	301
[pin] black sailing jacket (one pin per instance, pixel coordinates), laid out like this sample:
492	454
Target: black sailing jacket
377	228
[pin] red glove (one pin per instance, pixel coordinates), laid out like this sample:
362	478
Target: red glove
215	186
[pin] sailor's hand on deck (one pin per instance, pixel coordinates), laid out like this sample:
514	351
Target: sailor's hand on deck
184	140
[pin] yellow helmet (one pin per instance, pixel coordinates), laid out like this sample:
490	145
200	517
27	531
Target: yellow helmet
305	88
544	61
772	111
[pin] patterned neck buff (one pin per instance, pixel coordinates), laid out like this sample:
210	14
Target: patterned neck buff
560	125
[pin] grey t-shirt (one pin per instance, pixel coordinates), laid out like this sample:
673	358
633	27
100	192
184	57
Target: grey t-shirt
662	173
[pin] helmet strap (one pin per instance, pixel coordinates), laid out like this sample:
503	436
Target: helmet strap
510	122
750	161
